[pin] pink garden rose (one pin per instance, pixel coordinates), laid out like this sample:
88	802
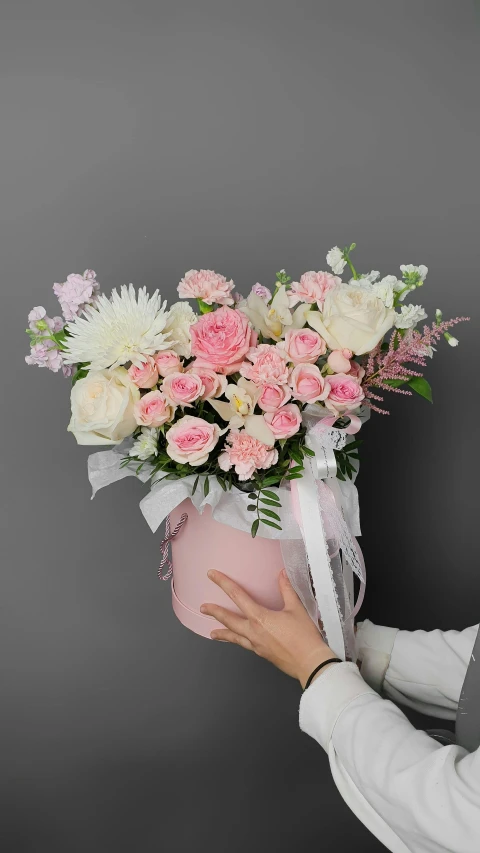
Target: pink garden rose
313	287
145	376
272	397
246	454
206	285
339	360
191	440
181	389
284	422
167	361
153	410
303	345
345	393
308	384
221	340
214	384
269	365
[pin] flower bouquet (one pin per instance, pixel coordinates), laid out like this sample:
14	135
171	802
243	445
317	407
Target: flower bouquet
243	416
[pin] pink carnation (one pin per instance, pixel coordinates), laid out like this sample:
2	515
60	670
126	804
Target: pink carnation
269	365
246	454
182	389
76	292
272	397
145	376
313	287
214	384
153	410
206	285
191	440
345	393
221	340
167	361
308	384
303	345
285	422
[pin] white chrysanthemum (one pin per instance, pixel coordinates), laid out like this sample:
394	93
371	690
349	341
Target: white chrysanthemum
180	317
146	444
409	316
126	327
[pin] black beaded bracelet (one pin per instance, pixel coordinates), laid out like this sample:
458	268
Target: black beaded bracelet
318	668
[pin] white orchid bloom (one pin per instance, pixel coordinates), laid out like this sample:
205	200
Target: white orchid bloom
242	399
270	320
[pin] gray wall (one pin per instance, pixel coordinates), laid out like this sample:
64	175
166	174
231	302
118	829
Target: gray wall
143	139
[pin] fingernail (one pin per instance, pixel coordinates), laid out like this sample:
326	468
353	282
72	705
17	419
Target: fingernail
283	573
210	574
203	609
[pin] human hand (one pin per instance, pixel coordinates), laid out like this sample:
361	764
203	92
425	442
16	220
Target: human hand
288	638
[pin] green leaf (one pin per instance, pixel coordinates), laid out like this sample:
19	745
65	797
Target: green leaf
308	451
295	469
340	476
353	445
270	513
395	383
255	527
270	503
271	495
80	374
252	507
271	481
206	487
271	524
252	496
195	484
421	386
222	483
294	476
296	456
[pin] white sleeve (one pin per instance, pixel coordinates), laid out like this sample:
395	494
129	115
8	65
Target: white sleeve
414	795
423	670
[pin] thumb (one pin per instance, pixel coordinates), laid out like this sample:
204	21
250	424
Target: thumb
290	597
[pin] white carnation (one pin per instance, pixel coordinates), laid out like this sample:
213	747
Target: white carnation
180	317
336	261
409	316
146	444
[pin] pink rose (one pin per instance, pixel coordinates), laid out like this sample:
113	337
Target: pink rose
206	285
182	389
308	384
338	361
214	384
285	422
269	365
168	362
345	393
152	410
191	439
356	370
273	397
303	345
145	376
246	453
221	340
313	287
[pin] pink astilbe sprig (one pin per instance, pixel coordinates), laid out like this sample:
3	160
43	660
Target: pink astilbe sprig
387	367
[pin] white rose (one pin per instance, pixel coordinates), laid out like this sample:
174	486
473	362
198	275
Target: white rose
336	261
180	317
102	407
352	318
409	316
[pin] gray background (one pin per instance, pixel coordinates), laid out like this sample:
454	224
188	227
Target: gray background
143	139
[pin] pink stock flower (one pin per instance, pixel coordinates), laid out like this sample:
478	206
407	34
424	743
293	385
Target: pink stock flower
182	389
284	422
76	292
191	440
339	360
308	384
41	324
167	361
272	397
261	291
303	345
345	393
145	376
153	410
246	454
214	384
269	365
221	339
313	287
44	354
206	285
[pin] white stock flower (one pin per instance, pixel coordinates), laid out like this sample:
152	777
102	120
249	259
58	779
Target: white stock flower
453	342
146	444
336	261
126	327
422	270
180	317
409	316
385	290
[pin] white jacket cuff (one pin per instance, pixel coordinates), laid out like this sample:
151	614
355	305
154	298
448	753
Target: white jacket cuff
374	646
323	702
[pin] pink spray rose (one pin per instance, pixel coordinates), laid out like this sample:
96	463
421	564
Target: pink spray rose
272	397
284	422
221	339
206	285
308	384
303	345
145	376
167	361
191	439
345	393
246	454
339	360
181	389
313	287
153	410
356	370
214	384
269	365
